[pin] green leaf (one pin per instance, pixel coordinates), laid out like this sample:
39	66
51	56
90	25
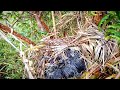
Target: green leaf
111	31
103	20
116	38
118	14
114	26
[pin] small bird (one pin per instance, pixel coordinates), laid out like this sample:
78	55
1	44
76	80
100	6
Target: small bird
66	68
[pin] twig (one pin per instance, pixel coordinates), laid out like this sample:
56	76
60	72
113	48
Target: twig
54	26
4	37
5	28
78	23
25	61
39	22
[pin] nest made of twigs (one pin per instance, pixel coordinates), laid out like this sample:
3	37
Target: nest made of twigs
93	49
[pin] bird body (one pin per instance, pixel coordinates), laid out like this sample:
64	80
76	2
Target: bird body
70	67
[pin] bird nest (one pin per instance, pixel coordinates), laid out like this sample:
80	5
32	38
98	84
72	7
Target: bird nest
77	56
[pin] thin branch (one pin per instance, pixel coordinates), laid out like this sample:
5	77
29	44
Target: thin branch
8	30
44	25
4	37
25	61
54	26
39	22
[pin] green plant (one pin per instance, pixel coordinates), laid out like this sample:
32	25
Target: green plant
10	62
110	24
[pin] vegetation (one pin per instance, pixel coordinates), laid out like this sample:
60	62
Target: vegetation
111	24
25	35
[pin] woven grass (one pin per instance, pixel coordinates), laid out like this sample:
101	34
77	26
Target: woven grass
101	56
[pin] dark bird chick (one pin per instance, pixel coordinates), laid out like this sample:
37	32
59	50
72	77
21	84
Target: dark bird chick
66	68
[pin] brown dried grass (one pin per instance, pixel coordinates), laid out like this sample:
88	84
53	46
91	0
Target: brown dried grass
84	34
